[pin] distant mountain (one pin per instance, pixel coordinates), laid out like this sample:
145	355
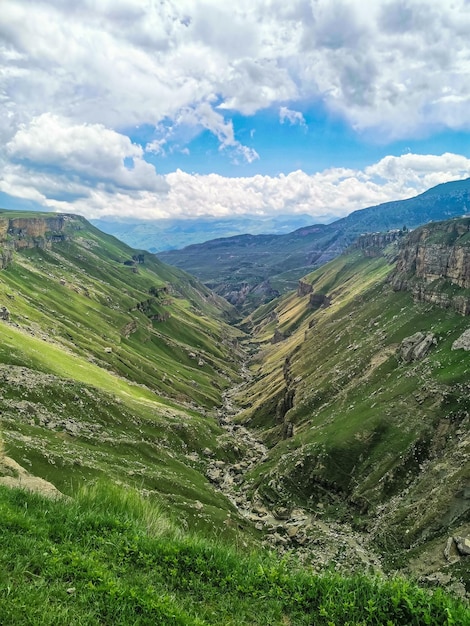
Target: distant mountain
249	270
170	234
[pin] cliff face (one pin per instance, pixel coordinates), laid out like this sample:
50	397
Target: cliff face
434	264
372	244
30	232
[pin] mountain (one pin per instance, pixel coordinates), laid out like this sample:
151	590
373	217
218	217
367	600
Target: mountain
112	364
169	234
361	393
249	270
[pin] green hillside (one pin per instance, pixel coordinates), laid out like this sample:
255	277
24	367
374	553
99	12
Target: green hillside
110	557
357	430
279	472
111	366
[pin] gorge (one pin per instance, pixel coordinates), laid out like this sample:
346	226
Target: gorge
301	428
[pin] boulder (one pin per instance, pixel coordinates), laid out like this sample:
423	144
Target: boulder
463	545
4	313
281	513
463	342
415	347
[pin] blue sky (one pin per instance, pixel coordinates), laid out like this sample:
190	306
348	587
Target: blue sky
154	109
324	141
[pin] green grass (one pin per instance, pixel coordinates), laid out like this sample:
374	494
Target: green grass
111	557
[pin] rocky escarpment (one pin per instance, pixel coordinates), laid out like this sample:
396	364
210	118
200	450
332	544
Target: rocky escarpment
434	264
31	232
372	244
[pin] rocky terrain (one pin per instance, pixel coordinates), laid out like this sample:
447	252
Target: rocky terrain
17	233
316	542
344	439
361	395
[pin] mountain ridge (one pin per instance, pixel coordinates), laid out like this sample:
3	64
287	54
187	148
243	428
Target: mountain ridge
169	234
112	364
252	270
361	393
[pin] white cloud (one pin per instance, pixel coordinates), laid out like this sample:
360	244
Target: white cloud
293	117
76	76
326	195
53	157
388	65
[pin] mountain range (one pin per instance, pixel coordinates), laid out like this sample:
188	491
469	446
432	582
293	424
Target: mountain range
170	234
248	270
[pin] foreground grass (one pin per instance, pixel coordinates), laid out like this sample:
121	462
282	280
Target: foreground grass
109	557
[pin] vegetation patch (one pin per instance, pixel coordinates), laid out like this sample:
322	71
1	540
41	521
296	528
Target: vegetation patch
110	556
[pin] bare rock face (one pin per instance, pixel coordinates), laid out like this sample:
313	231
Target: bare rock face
372	244
433	257
438	251
32	232
6	256
303	288
416	346
318	300
463	342
278	336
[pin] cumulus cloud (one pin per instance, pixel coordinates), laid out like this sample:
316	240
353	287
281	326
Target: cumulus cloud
326	195
388	65
76	78
52	157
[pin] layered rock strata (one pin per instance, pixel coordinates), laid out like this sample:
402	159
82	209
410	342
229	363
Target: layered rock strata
434	264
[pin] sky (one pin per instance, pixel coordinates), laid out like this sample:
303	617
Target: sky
148	109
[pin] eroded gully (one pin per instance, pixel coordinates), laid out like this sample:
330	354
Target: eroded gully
324	544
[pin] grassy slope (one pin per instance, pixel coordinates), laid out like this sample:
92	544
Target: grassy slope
373	437
91	385
110	557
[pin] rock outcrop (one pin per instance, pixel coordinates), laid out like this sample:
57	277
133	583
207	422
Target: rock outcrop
4	314
304	288
372	244
32	232
463	342
434	264
318	300
15	476
416	347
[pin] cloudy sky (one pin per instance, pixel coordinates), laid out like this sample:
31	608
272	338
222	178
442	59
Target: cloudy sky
184	108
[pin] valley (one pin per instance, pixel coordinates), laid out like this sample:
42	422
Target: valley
251	270
328	428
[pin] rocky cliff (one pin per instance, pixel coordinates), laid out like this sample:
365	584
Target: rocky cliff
434	264
32	231
372	244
